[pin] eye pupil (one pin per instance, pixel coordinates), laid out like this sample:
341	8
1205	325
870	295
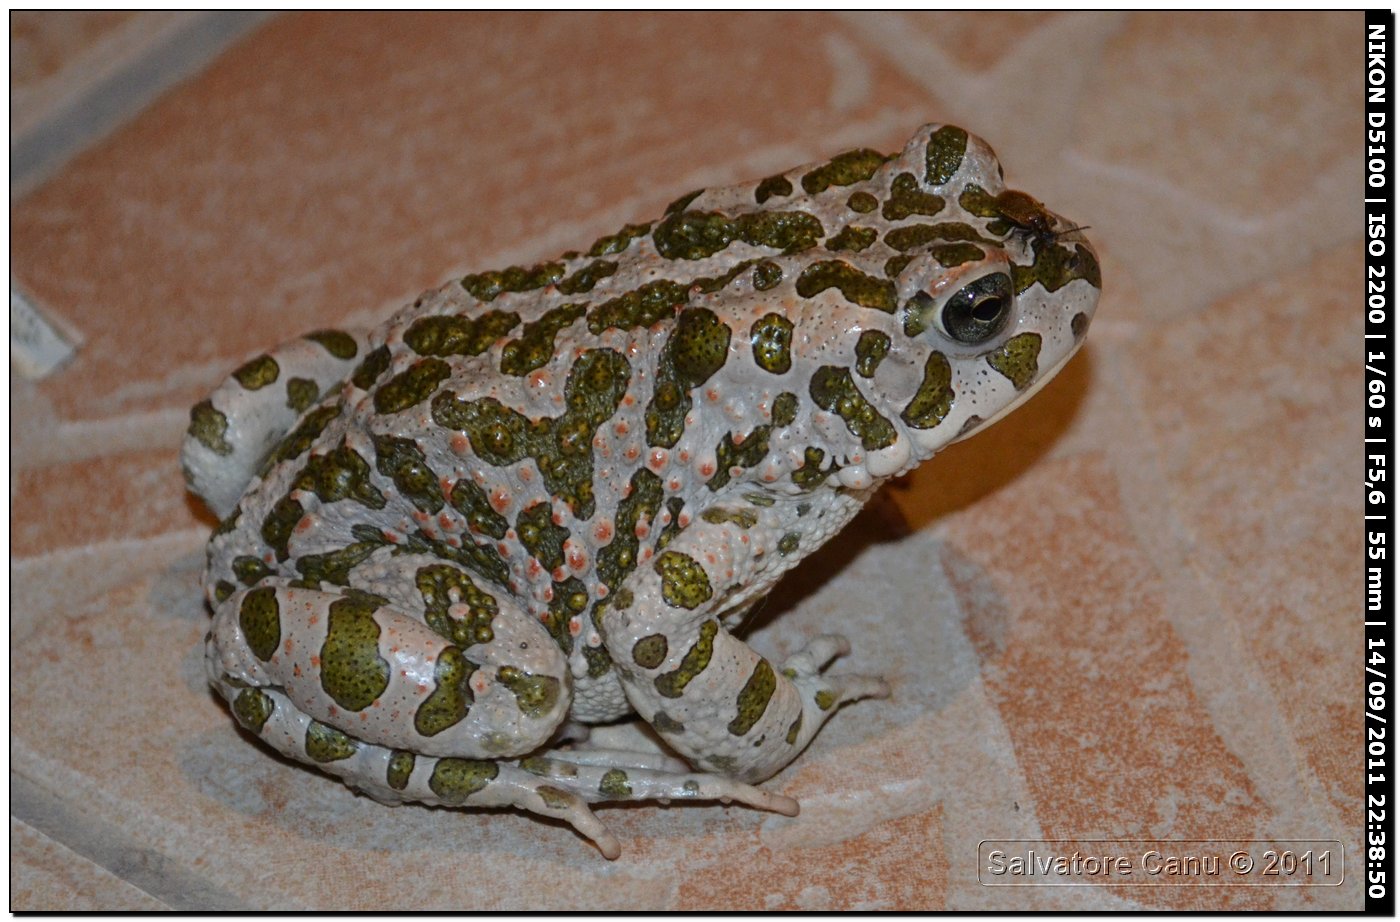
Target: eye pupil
979	310
987	310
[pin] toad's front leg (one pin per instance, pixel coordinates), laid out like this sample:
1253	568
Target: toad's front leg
712	698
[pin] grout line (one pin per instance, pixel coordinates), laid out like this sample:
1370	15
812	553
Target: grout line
78	830
40	153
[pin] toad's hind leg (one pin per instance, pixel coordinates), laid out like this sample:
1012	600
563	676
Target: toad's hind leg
384	676
397	776
233	430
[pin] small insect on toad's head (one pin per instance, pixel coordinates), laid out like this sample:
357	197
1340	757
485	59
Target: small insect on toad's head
995	294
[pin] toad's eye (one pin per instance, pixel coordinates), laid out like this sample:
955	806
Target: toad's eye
979	310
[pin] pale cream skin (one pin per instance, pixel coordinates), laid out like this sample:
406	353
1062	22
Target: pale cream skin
545	497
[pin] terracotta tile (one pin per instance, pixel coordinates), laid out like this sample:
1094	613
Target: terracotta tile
1261	468
43	43
877	874
46	877
1213	151
333	166
1090	678
976	41
119	497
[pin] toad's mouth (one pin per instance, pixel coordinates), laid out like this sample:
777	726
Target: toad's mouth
1043	379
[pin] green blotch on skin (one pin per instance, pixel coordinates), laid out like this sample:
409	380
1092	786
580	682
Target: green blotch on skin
719	515
978	201
759	499
917	236
944	155
258	373
681	203
301	393
334	567
906	198
684	583
454	334
871	349
535	347
729	455
793	730
824	700
689	235
693	234
400	767
209	427
771	337
370	370
672	684
934	398
537	765
1056	266
277	527
674	505
955	254
811	474
862	202
696	349
352	671
442	586
223	589
587	277
555	798
789	231
895	265
616	243
662	722
1016	359
249	569
753	698
541	537
788	543
639	308
341	473
599	663
778	186
259	618
411	387
536	695
327	744
337	342
845	169
766	274
470	500
650	651
834	391
853	239
918	313
252	708
614	784
402	461
451	696
1079	324
561	447
854	285
618	558
483	561
570	599
784	409
454	780
487	286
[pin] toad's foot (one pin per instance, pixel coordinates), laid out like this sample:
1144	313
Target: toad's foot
805	669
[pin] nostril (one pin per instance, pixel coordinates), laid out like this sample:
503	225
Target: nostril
1079	324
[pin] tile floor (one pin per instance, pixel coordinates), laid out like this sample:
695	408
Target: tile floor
1131	609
